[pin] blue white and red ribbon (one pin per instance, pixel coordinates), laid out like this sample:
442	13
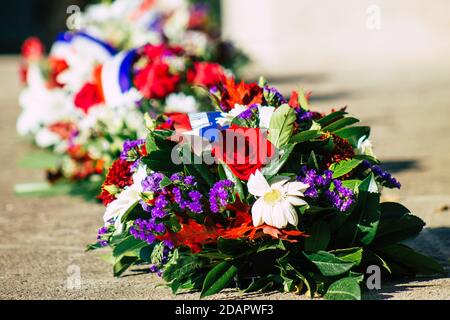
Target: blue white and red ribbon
116	76
66	42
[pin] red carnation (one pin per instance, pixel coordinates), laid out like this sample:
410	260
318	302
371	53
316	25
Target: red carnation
155	80
244	150
205	73
120	176
88	96
33	49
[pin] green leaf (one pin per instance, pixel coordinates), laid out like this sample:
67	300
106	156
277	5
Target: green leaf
344	289
328	264
306	136
319	236
353	134
276	164
411	260
218	278
263	283
161	161
351	184
231	247
42	189
183	267
343	167
199	170
312	161
353	255
123	264
331	117
129	244
150	143
339	124
271	245
40	160
396	224
361	226
281	125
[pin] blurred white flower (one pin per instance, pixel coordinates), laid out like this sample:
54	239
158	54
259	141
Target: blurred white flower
179	102
46	138
41	106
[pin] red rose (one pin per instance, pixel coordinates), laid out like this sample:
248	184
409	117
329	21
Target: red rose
244	150
155	80
33	49
88	96
205	73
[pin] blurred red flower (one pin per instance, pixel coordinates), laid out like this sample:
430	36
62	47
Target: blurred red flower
205	73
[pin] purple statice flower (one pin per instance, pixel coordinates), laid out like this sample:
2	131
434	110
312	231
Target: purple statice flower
314	180
176	177
385	176
144	230
152	182
178	197
190	181
341	198
100	236
195	205
128	147
219	195
303	115
145	206
169	244
273	96
248	114
160	204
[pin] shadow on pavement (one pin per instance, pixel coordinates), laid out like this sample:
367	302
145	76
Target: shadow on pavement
400	165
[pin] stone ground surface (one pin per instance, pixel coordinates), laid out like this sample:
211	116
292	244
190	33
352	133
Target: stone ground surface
42	239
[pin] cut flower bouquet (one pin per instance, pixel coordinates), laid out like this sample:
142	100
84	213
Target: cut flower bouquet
262	194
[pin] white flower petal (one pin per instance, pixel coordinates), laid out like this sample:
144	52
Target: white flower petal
265	114
295	201
257	212
267	214
116	209
296	188
278	182
279	216
290	213
257	185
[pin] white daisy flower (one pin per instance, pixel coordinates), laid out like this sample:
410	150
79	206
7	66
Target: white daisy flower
275	202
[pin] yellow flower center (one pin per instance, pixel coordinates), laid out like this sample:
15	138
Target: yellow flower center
272	196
